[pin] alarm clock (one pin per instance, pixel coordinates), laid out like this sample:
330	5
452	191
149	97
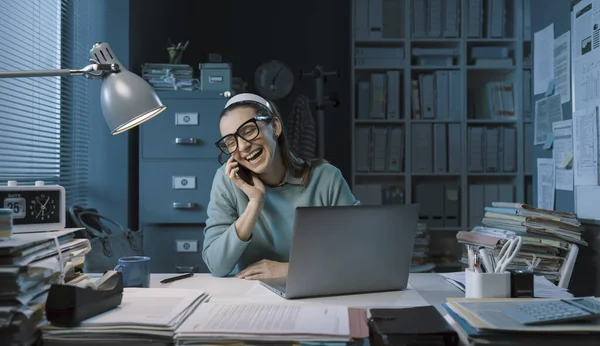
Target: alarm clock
36	208
274	80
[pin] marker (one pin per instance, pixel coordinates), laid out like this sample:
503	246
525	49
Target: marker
175	278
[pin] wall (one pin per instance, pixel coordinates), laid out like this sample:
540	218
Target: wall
301	34
586	275
108	156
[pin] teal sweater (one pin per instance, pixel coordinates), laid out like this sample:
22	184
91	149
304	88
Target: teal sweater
224	253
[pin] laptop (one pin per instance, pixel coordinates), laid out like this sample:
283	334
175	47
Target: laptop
348	250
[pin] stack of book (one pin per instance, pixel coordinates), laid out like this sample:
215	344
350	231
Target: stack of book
550	238
29	264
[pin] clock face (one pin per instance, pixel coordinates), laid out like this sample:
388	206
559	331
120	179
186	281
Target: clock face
274	80
33	207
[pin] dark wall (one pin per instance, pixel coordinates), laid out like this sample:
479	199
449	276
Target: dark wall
302	34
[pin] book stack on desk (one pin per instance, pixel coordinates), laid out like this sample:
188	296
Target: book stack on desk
550	238
29	264
145	316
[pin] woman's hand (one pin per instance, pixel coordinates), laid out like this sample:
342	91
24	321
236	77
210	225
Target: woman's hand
254	192
264	269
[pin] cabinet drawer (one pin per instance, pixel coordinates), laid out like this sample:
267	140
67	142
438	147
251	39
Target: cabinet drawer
188	128
175	191
174	248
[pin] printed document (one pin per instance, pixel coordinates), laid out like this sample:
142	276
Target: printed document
227	319
562	66
562	151
587	199
543	59
545	180
547	111
585	54
585	147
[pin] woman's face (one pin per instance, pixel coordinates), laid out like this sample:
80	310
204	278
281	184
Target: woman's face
256	154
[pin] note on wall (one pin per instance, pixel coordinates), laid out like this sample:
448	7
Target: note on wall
585	147
587	199
586	54
562	152
547	111
543	59
545	181
562	66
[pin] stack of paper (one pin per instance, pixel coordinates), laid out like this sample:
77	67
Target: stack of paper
230	322
29	264
481	321
550	238
146	315
170	76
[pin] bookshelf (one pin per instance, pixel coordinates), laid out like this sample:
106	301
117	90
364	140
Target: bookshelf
465	100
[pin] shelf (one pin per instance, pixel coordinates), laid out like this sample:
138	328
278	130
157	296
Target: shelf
436	174
379	121
493	174
380	41
492	121
436	39
427	68
491	40
377	68
434	121
380	174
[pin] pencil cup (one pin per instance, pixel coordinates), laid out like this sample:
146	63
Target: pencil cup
487	285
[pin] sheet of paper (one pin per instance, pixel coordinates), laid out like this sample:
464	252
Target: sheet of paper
585	147
543	59
587	200
269	319
583	27
547	111
586	54
562	147
545	181
562	66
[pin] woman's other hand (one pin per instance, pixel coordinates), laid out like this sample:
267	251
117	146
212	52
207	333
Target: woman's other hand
264	269
254	192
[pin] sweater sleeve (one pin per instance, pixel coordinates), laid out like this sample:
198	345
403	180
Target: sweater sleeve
339	191
222	247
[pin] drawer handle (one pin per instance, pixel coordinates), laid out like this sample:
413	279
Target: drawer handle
184	269
188	205
180	140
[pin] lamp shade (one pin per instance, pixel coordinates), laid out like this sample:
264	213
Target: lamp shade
126	99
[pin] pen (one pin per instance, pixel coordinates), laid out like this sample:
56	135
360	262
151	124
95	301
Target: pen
175	278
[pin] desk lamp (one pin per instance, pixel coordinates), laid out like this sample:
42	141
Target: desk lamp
126	99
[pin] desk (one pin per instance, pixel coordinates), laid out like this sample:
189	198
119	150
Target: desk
424	289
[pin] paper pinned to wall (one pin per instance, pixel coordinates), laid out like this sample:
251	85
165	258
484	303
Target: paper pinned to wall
585	147
561	148
585	54
587	199
545	181
543	59
562	66
547	111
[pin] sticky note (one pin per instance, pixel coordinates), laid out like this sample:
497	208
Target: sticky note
566	161
549	140
550	89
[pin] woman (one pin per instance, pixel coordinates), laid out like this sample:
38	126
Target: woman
249	226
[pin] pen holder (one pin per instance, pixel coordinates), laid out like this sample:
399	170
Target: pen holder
486	285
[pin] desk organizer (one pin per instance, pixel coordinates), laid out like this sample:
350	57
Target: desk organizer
487	285
68	305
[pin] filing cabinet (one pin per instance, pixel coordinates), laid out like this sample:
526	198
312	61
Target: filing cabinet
178	161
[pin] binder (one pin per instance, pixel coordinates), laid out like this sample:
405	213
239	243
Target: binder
431	200
527	20
442	94
375	17
476	137
451	205
509	150
427	94
392	11
492	146
474	18
378	95
528	148
454	148
527	115
440	164
379	154
451	18
422	150
419	18
454	96
361	20
434	18
393	95
396	149
362	148
363	100
476	203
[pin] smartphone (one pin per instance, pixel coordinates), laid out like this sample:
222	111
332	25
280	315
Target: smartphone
245	174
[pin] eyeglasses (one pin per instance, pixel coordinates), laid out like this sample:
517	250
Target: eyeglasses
248	131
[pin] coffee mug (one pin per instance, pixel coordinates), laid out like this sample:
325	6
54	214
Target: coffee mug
135	270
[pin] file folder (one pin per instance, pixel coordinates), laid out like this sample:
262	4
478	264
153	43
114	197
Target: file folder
476	154
393	95
434	18
422	150
396	149
430	196
454	148
427	94
361	20
492	146
442	94
440	164
451	205
362	148
379	154
375	19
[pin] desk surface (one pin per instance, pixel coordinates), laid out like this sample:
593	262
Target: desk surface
424	289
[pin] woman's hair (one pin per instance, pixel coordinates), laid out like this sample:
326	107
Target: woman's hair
296	166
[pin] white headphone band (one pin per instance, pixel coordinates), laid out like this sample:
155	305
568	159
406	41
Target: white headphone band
244	97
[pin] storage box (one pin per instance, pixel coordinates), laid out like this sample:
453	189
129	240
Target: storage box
215	76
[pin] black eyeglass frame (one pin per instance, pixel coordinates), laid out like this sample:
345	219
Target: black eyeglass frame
236	134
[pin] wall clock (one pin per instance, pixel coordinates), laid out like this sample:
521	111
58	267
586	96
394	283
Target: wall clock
37	208
274	80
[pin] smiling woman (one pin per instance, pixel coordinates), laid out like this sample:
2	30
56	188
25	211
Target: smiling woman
255	193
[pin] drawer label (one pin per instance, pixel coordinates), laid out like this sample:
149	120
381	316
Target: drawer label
186	245
185	119
187	182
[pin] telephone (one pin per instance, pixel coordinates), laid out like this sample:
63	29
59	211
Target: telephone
245	174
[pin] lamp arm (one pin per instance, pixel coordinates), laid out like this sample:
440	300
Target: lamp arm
92	70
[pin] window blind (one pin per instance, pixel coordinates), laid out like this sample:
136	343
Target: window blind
44	120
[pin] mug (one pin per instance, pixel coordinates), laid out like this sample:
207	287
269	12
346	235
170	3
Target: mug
135	270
